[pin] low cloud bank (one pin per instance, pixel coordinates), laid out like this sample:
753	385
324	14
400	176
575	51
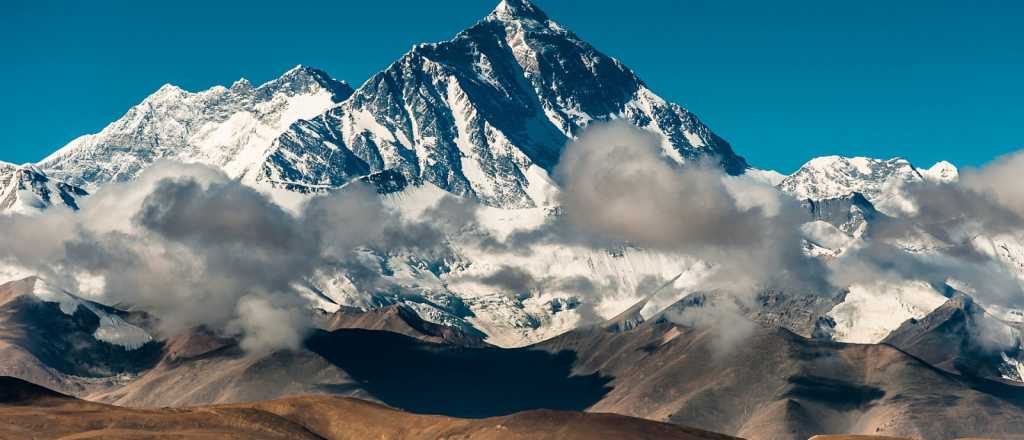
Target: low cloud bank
618	184
196	248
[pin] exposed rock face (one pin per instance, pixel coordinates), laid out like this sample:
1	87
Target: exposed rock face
850	214
68	343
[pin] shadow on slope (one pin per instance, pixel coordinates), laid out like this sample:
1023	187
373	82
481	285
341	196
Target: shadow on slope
14	391
458	381
67	342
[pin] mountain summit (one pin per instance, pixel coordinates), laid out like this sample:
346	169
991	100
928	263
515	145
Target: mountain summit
517	10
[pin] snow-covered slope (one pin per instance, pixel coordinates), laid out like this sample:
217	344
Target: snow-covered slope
485	114
228	127
831	177
560	287
25	189
112	329
870	312
842	195
941	172
878	180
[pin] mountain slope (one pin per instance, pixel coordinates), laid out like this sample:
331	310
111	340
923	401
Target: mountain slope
485	114
776	385
227	127
26	189
404	320
961	337
55	338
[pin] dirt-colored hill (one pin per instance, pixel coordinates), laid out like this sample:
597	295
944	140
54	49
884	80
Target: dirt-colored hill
402	320
768	384
199	368
960	337
42	343
773	384
28	411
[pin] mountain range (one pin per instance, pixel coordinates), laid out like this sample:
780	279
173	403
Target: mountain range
485	117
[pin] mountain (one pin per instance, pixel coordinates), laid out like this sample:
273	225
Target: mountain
832	177
772	384
485	114
26	189
31	411
54	338
961	337
227	127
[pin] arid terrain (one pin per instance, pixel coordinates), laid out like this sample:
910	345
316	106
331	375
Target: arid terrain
28	411
771	384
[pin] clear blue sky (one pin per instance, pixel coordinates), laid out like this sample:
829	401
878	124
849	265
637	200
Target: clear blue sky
782	80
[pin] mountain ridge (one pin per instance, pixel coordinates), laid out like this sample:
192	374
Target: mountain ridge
484	114
221	126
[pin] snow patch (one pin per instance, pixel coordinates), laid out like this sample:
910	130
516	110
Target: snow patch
112	329
871	312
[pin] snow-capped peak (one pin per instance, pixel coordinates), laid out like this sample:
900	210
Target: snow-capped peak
831	177
166	91
169	88
485	115
770	177
509	10
230	128
941	172
241	84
